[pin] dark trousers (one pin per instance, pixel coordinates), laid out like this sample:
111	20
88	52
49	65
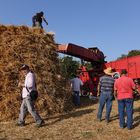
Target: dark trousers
76	98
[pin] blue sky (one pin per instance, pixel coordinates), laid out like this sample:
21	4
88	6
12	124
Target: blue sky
111	25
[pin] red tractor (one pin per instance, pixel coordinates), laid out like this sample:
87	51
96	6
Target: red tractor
90	78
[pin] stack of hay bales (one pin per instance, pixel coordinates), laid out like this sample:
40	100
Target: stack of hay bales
23	45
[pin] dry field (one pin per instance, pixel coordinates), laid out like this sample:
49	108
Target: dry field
80	124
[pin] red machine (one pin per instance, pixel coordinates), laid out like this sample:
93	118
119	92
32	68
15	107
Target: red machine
93	55
96	57
131	64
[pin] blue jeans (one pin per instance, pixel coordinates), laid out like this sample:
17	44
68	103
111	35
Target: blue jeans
105	98
28	106
76	98
128	105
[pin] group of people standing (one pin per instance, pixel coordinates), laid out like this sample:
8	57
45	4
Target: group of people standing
110	88
121	89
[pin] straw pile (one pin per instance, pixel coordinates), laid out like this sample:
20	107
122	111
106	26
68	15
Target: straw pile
23	45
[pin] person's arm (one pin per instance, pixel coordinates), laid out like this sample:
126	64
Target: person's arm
20	84
99	87
45	20
33	21
70	83
98	90
115	89
134	87
115	94
81	85
138	90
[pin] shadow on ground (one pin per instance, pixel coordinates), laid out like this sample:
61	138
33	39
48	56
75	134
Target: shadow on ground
137	118
113	118
61	117
85	101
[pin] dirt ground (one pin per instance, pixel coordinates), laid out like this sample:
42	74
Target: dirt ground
80	124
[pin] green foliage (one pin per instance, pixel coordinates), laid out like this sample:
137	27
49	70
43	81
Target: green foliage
130	54
134	53
88	66
122	56
68	66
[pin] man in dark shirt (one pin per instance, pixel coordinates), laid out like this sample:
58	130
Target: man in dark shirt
105	90
37	20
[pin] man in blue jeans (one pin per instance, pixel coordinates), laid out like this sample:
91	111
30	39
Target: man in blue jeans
105	90
123	90
76	84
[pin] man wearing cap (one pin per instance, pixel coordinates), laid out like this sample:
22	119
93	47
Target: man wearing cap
27	103
105	90
123	90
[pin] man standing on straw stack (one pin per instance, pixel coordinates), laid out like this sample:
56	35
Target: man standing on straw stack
37	20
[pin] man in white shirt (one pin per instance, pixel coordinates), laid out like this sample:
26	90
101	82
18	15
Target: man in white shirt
76	84
27	103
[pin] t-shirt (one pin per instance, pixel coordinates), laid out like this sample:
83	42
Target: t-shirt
106	84
39	17
124	86
76	83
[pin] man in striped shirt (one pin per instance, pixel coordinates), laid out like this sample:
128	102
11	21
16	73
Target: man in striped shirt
105	90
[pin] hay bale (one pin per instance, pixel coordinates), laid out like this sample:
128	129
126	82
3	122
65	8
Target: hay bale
23	45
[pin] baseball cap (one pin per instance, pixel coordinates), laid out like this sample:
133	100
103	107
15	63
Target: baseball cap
24	67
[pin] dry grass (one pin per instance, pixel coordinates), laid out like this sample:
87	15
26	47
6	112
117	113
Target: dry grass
31	46
79	124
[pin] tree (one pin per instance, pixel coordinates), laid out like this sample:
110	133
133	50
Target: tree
133	53
130	54
68	66
122	56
